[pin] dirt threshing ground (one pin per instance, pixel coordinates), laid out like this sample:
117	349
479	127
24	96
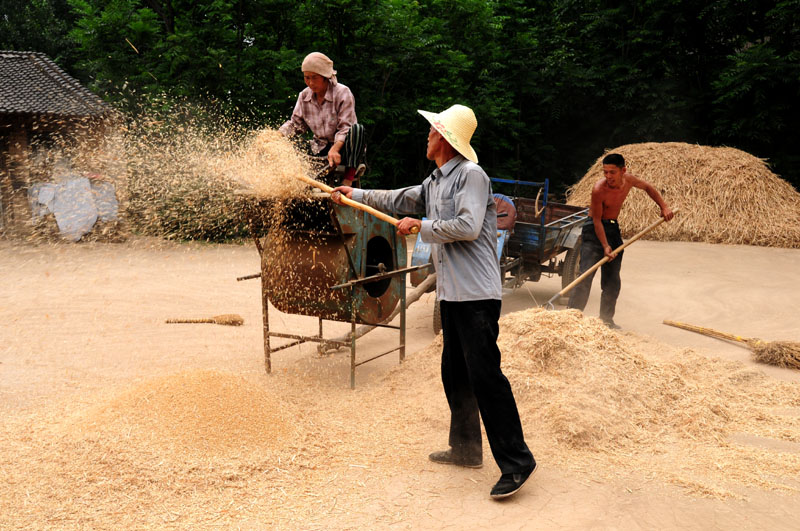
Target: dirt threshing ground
113	419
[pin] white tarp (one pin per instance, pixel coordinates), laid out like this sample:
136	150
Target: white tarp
76	202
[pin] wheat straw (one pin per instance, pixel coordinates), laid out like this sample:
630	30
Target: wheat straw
726	195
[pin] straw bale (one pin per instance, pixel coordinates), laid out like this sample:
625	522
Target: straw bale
726	195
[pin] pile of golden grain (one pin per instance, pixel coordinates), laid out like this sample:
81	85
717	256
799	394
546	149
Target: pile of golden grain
725	195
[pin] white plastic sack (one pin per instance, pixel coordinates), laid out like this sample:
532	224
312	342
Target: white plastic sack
74	208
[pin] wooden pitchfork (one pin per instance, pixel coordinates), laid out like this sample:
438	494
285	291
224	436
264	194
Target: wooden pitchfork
355	204
605	259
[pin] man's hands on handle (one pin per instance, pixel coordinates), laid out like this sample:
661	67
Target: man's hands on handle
404	226
666	213
409	226
346	191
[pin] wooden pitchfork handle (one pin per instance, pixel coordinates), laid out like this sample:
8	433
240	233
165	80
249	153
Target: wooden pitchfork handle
355	204
605	259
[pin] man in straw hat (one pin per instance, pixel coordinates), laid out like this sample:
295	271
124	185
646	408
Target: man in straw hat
461	227
328	109
601	234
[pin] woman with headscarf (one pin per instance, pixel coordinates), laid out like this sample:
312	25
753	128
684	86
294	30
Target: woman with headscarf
328	109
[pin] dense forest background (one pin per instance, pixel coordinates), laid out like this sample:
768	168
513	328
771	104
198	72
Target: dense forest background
553	83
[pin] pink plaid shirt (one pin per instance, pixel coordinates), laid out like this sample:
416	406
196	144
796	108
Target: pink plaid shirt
329	122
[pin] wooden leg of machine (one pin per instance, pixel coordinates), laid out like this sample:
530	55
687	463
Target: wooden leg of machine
403	320
352	340
265	313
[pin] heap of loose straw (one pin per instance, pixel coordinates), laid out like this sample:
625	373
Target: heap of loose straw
726	195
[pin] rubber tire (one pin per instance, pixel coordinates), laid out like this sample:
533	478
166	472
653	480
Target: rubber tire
437	318
572	265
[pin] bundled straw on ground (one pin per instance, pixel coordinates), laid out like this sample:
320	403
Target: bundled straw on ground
726	195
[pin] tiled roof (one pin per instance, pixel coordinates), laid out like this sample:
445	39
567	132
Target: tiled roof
30	83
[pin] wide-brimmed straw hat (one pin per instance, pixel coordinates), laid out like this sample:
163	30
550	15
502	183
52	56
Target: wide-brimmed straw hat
456	124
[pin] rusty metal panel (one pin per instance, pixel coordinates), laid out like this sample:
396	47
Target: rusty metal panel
301	264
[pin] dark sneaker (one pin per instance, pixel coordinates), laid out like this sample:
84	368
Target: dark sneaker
511	483
612	325
446	457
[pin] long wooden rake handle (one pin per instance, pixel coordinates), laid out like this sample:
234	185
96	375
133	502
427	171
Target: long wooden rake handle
605	259
355	204
707	331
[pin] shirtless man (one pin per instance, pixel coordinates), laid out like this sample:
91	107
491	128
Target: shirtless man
601	234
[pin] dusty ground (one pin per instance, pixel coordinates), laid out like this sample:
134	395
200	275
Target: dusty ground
81	323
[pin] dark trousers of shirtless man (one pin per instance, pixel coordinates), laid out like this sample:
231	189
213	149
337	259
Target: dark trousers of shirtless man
610	283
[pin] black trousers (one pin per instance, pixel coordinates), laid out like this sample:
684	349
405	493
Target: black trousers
610	282
476	387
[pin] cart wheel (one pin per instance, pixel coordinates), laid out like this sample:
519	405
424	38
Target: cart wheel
572	265
437	317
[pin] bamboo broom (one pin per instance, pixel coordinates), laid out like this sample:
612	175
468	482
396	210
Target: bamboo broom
228	319
781	353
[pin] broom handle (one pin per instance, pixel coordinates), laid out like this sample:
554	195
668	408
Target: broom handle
707	331
355	204
605	259
172	321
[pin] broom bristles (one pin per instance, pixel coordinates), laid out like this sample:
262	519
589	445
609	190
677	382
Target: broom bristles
784	354
230	319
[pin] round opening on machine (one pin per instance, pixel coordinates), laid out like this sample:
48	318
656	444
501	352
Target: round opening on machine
379	259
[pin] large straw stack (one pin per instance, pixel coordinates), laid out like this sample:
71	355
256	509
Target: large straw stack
726	195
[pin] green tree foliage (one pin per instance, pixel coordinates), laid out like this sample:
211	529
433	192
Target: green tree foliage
38	25
757	90
553	82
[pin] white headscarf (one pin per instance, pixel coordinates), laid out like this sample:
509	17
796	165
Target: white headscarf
319	63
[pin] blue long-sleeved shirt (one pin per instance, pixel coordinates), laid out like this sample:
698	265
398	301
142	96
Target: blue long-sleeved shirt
461	227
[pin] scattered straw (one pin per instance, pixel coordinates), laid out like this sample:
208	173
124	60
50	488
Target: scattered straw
726	195
297	449
267	165
590	401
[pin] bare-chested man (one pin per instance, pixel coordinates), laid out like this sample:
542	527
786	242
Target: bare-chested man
601	234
